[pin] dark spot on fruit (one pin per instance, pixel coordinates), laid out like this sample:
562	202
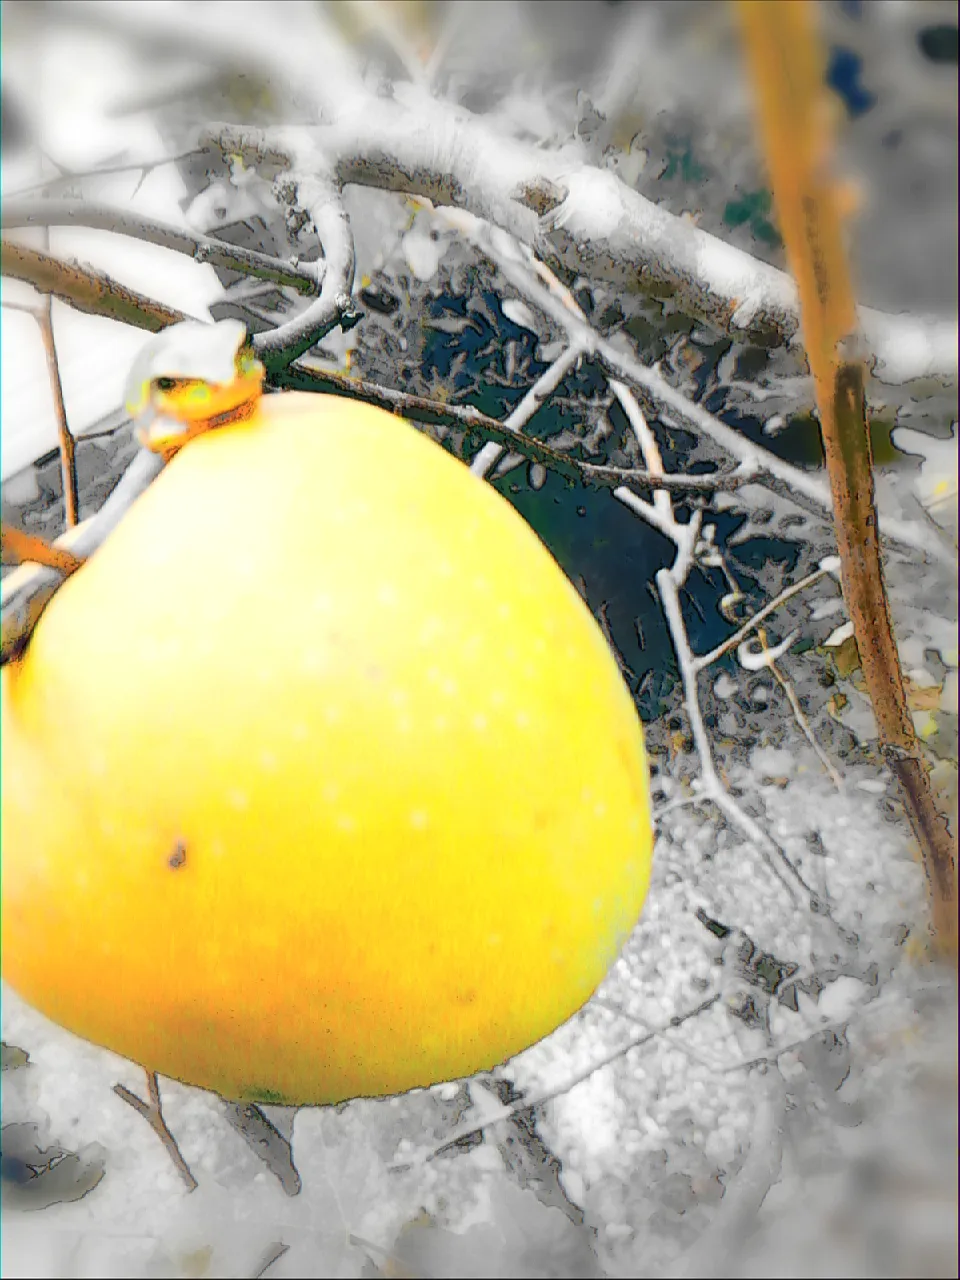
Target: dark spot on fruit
178	858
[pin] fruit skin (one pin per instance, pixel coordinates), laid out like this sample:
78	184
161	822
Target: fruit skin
319	780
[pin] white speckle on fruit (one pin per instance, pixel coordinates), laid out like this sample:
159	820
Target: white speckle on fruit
322	603
387	595
299	731
268	761
346	823
479	723
404	724
441	724
522	720
108	826
238	799
331	792
419	819
399	698
497	697
599	810
445	569
98	764
311	662
449	686
503	610
481	584
332	714
494	940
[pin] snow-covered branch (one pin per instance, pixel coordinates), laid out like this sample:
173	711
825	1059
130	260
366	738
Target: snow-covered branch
584	220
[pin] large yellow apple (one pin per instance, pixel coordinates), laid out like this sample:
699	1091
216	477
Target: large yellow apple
319	780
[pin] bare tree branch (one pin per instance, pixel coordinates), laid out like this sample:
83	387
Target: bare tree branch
39	212
582	220
90	291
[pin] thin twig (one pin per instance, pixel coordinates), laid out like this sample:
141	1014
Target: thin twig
539	393
80	175
53	212
786	684
153	1114
85	289
705	660
305	375
273	1253
667	1033
469	1128
68	448
20	548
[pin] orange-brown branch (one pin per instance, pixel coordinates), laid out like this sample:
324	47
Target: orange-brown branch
795	122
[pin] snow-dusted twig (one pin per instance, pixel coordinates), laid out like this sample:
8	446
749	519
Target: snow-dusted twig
711	787
86	290
319	197
538	285
52	212
73	177
666	1033
577	217
539	393
499	1115
827	568
586	221
806	490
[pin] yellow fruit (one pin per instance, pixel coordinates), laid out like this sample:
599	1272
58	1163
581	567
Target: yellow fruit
319	779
